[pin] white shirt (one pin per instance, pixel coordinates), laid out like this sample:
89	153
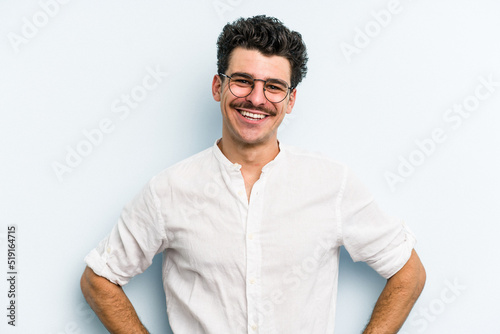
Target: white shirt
265	266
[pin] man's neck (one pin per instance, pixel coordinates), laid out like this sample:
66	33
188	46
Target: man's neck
251	158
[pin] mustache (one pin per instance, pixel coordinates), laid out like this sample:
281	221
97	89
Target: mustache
249	105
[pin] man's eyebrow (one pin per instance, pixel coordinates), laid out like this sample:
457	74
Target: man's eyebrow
242	74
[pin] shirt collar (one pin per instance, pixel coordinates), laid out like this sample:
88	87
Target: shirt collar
223	160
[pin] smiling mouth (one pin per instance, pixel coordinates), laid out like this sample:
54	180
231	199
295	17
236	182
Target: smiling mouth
251	116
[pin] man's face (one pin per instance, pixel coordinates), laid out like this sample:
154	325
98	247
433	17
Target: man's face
246	130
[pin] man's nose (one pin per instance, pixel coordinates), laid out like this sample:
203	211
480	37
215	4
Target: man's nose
257	96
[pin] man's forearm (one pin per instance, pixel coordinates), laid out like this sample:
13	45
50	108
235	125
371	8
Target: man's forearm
397	299
110	304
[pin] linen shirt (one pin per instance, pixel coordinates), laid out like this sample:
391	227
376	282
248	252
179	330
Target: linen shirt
264	265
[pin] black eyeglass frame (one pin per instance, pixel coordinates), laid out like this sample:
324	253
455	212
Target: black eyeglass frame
289	89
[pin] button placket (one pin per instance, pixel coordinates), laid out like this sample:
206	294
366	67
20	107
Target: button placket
254	257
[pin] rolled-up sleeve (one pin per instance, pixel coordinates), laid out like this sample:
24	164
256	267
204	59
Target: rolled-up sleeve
133	242
368	234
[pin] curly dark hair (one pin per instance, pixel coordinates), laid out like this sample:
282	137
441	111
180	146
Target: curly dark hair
269	36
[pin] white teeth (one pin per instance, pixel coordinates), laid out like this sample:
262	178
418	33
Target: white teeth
252	115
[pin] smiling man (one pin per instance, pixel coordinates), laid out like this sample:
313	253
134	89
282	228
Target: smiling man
251	117
250	229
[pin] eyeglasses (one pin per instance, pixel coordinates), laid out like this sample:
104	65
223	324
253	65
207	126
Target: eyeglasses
242	85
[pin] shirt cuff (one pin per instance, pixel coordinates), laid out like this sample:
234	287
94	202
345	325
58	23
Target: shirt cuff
98	264
396	254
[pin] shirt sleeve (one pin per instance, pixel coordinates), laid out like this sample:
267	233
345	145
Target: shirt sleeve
133	242
368	234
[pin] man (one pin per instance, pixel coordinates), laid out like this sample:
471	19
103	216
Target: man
250	229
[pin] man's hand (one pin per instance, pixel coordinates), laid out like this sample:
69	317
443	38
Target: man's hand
397	299
110	304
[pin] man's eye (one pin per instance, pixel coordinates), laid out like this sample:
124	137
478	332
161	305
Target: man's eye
243	82
275	88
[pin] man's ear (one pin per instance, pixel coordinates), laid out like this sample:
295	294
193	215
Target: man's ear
217	88
291	100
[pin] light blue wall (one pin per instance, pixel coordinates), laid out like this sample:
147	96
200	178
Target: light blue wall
383	75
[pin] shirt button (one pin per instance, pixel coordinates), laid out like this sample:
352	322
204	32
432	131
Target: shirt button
241	193
252	281
108	250
254	327
250	236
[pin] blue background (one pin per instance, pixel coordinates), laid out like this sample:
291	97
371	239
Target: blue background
63	72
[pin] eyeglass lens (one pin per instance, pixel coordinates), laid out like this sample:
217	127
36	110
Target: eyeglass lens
274	90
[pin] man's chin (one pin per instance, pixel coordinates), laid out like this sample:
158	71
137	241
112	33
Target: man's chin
254	141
